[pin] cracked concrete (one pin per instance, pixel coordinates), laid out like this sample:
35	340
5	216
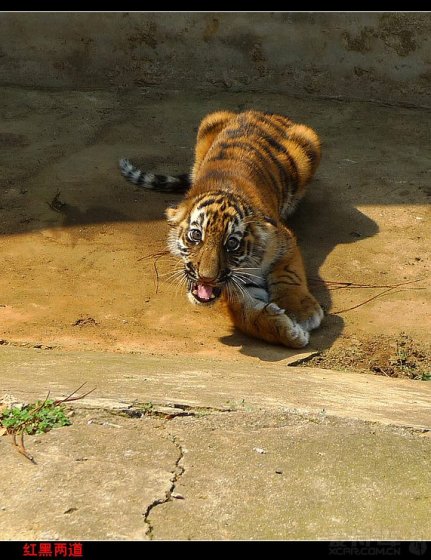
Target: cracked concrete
93	481
161	451
177	472
281	476
241	475
127	380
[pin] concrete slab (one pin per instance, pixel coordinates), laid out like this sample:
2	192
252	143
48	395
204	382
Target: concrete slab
275	476
93	481
352	54
236	475
124	380
236	452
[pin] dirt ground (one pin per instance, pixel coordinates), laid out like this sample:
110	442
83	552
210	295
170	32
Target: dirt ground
78	242
383	355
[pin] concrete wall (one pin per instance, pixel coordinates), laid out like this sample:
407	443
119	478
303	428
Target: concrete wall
381	56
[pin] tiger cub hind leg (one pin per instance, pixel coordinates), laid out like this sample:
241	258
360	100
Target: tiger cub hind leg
267	321
287	287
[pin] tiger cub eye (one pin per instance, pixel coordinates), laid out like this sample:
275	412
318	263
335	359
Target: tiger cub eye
232	244
195	235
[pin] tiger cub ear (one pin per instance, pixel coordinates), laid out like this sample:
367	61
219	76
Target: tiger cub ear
175	214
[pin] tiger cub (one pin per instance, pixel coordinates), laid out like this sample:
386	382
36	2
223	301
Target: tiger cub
249	172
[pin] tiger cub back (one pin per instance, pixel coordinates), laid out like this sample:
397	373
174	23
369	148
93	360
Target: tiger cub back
277	155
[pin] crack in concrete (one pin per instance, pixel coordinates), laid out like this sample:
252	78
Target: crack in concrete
169	410
177	472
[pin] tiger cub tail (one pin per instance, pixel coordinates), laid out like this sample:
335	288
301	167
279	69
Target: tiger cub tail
151	181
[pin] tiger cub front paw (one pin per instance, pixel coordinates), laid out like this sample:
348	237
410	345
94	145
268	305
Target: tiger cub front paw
314	318
289	332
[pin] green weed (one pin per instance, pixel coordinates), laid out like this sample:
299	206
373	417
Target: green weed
36	418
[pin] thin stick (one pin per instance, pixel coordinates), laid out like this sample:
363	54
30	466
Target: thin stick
156	270
355	285
71	399
20	446
23	450
363	302
68	398
157	254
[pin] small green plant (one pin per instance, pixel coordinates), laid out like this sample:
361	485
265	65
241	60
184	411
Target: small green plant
242	405
234	405
147	408
403	358
36	418
426	377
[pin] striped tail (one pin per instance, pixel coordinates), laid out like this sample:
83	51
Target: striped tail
162	183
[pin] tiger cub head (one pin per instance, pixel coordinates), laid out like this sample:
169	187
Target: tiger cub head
221	241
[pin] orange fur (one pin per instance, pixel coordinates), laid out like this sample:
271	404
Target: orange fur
250	170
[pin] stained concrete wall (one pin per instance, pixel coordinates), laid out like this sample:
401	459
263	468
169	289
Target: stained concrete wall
380	56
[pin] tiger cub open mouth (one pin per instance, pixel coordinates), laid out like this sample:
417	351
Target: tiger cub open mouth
203	293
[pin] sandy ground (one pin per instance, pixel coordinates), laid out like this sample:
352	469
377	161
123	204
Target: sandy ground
77	240
255	449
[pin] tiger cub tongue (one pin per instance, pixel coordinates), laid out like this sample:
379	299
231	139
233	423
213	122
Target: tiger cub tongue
204	292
